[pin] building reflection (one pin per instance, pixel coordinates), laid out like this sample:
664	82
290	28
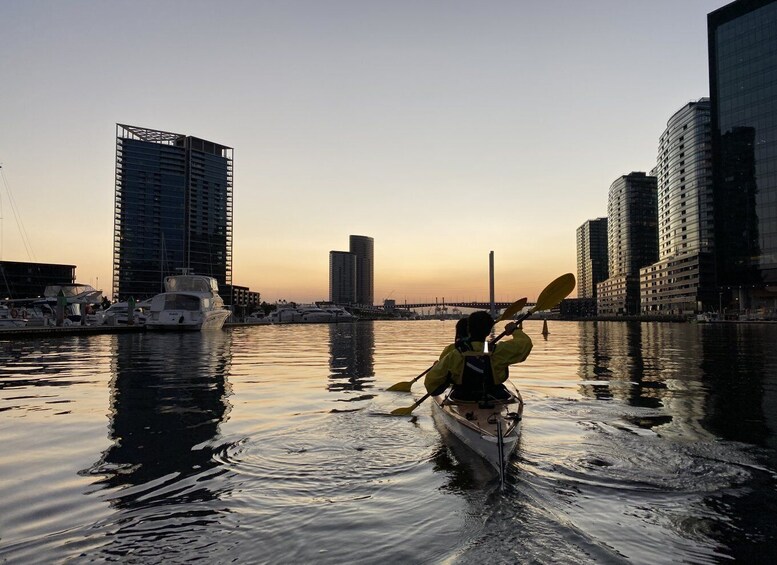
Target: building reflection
168	397
593	367
741	404
351	357
612	364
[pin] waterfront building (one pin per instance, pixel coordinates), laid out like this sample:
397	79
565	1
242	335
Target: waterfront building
362	247
632	242
20	279
682	281
743	89
592	260
242	299
173	210
342	277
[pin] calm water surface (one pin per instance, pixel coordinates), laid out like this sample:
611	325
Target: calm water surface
642	443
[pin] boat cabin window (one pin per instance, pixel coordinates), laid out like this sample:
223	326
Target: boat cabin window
183	283
181	302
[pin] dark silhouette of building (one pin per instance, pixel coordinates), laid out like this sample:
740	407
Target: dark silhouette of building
342	277
362	247
592	261
173	210
632	242
28	280
743	93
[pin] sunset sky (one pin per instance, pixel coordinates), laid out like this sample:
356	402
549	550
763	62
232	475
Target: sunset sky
442	129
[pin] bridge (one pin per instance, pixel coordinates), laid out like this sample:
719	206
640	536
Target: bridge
475	305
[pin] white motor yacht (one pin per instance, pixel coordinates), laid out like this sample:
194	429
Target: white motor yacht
285	314
117	314
339	314
190	302
312	314
258	318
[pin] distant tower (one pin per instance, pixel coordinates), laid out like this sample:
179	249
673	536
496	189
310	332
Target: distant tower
173	210
362	247
342	277
632	241
592	265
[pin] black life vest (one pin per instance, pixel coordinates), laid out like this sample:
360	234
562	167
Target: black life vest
477	380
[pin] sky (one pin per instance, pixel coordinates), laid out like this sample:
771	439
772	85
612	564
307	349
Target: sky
442	129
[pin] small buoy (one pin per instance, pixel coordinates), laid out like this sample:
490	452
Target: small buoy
545	327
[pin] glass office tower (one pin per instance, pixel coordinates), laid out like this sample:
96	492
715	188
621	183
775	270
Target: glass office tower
743	91
342	277
362	247
173	210
632	242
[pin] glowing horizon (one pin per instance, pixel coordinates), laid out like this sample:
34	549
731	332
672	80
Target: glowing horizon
442	131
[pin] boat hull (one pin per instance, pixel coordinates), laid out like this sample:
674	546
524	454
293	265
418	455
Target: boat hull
186	320
481	426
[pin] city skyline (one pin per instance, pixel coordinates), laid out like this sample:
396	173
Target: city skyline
391	119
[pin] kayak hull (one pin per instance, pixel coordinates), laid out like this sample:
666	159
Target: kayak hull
491	429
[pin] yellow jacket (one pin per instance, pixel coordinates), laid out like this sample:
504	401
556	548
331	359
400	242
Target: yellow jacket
450	367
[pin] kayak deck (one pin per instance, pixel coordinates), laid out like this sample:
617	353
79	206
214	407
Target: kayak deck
490	429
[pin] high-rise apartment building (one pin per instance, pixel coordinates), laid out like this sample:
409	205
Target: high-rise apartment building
743	91
632	242
173	210
592	262
362	247
342	277
682	281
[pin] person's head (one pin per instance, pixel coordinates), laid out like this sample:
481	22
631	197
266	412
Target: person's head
479	325
461	329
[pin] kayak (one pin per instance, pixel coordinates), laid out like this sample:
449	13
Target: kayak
489	428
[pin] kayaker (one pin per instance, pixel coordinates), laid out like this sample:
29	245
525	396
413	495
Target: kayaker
476	374
461	333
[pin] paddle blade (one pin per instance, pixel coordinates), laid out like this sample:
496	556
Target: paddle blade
512	310
555	292
404	386
407	410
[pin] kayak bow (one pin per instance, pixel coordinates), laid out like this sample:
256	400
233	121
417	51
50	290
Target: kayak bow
491	429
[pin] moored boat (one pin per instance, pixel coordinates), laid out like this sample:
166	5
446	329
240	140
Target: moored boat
258	318
339	314
312	314
490	428
12	317
190	302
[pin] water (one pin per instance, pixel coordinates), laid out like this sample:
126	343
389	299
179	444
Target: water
642	443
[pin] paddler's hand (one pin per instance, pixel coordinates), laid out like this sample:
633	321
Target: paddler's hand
510	328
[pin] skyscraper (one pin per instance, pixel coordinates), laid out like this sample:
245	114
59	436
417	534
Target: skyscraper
173	210
682	281
342	277
592	267
362	247
743	65
632	241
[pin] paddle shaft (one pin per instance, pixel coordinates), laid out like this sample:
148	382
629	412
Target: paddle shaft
517	321
418	402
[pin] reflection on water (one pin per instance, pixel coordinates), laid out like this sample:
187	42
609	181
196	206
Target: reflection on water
168	397
647	443
351	357
709	378
741	400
